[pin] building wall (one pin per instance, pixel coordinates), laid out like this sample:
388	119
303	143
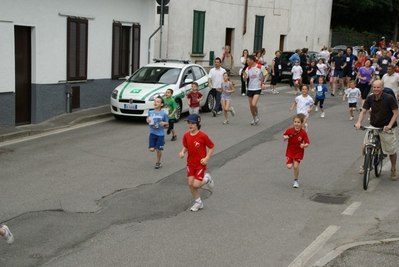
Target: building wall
304	23
48	19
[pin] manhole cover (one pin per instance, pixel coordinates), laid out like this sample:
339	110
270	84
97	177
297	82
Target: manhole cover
329	199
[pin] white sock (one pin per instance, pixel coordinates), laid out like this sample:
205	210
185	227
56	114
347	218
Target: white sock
198	200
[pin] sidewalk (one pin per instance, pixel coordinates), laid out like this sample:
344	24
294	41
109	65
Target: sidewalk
61	121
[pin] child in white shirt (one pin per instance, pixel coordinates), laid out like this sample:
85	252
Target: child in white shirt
353	94
304	104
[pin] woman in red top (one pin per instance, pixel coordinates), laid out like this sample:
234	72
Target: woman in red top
297	142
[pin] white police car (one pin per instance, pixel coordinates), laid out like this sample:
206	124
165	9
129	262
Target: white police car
135	96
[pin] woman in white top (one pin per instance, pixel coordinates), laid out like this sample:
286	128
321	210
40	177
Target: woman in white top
244	65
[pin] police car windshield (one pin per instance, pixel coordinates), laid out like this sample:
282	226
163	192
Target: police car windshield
163	75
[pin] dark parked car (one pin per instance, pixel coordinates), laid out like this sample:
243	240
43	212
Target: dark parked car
286	65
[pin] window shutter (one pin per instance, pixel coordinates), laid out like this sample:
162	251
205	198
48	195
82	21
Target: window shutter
198	32
116	49
136	47
258	38
77	38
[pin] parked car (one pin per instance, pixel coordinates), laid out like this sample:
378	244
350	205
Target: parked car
286	65
135	96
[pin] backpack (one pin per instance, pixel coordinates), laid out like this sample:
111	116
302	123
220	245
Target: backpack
385	91
224	56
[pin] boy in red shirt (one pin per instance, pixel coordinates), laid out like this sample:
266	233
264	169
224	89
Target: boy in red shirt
195	143
193	99
297	142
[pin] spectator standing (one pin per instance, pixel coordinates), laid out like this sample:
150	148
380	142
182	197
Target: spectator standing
244	65
276	68
227	60
391	80
215	78
324	54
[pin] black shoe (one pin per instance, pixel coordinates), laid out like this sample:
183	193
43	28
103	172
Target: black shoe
158	165
332	94
168	132
174	138
214	113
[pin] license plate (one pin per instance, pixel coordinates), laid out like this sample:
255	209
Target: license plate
130	106
286	73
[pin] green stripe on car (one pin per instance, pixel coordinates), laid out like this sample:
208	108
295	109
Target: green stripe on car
151	92
123	89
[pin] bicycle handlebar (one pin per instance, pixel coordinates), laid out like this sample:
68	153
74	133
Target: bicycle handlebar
363	128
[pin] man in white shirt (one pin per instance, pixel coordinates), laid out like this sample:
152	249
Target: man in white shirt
391	80
215	79
324	54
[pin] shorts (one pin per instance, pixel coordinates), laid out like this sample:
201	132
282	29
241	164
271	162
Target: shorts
193	110
251	93
171	124
339	73
316	101
348	73
226	98
291	160
156	141
296	80
353	105
198	172
388	141
315	78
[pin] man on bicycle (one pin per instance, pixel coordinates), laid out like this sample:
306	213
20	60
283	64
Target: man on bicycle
384	114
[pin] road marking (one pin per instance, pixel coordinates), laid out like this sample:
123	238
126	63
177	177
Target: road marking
313	248
36	136
352	208
372	185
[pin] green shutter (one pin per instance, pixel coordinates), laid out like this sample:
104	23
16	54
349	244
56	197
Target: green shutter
198	32
259	21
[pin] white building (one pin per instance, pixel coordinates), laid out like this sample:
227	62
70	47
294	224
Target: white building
199	30
49	47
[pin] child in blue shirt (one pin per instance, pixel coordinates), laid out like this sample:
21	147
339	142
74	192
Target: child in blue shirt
158	120
320	95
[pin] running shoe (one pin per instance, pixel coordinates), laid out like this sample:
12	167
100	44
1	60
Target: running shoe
351	118
361	171
210	183
257	119
232	111
393	176
8	236
197	206
332	94
296	184
168	132
214	113
226	122
219	112
243	94
317	108
174	138
158	165
262	93
340	93
276	92
252	122
322	115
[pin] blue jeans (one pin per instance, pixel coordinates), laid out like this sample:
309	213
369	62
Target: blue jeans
217	95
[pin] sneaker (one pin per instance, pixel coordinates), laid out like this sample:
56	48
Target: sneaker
272	91
174	138
8	236
257	119
243	94
168	132
158	165
351	118
296	184
340	92
252	122
276	92
210	184
394	177
197	206
226	122
262	93
332	94
361	171
214	113
232	111
322	115
219	112
317	108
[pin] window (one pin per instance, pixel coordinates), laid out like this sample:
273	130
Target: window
259	21
121	47
198	32
198	72
77	37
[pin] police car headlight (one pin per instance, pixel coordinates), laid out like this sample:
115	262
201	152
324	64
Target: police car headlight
114	94
152	98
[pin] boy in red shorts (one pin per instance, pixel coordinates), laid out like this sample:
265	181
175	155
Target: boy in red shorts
195	143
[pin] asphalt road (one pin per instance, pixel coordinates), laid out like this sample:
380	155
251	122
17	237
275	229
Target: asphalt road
90	196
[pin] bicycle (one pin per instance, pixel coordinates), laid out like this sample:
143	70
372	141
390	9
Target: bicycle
373	155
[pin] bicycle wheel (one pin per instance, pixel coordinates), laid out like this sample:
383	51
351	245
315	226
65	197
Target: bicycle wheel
367	168
378	163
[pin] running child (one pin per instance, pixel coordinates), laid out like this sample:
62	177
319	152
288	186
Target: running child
297	142
193	99
157	119
320	95
227	89
6	233
195	143
296	76
171	106
304	104
353	94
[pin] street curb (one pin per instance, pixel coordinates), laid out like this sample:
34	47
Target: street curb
27	133
337	251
